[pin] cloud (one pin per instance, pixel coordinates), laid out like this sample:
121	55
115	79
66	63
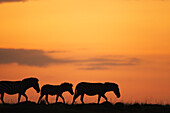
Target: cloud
28	57
2	1
57	51
94	68
114	62
106	62
40	58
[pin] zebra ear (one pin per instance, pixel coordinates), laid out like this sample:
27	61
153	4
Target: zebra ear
37	79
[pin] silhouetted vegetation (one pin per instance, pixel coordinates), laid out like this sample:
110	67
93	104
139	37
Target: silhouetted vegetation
105	107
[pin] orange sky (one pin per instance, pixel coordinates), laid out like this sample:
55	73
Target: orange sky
126	42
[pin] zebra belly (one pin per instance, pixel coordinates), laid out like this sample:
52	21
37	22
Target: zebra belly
52	93
8	92
49	92
10	87
12	92
91	94
90	88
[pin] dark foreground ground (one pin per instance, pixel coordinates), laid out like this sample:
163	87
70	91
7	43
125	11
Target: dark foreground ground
31	107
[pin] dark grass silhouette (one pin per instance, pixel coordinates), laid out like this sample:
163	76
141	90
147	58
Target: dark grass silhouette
105	107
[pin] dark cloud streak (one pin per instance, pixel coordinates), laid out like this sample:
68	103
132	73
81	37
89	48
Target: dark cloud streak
116	62
3	1
28	57
94	68
40	58
106	63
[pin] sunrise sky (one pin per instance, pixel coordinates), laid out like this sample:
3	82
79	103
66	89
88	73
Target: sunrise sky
121	41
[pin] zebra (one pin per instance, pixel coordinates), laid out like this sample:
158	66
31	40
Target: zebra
95	89
55	90
14	87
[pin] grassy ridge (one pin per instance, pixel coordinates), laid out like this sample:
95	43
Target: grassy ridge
106	107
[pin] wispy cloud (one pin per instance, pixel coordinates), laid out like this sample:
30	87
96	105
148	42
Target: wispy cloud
113	62
40	58
2	1
29	57
57	51
106	62
93	68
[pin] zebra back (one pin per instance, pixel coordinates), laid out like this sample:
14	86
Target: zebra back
10	87
13	87
56	89
96	88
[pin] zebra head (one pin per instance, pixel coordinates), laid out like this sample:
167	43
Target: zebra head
113	87
32	82
67	87
116	91
36	85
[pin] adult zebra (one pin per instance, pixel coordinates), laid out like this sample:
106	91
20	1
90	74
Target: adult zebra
55	90
14	87
95	89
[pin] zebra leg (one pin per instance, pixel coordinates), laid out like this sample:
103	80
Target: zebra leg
56	98
82	98
2	96
47	99
104	97
62	98
74	98
25	96
40	98
19	97
99	98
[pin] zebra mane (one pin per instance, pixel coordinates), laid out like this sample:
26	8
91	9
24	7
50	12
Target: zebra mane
31	78
109	83
66	83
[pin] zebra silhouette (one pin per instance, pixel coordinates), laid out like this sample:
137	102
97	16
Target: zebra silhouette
95	89
55	90
14	87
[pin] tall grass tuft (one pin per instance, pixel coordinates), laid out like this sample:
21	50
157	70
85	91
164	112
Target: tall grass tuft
43	102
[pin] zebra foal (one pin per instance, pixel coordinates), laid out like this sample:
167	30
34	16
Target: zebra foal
95	89
14	87
55	90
